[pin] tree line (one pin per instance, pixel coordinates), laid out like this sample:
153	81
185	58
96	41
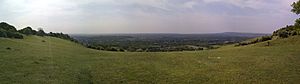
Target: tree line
290	30
285	32
9	31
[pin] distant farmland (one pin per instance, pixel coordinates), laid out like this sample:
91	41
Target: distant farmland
162	42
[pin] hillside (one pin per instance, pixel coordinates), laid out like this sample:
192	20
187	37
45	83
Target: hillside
49	60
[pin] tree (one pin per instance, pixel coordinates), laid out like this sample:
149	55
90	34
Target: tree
296	7
7	27
41	32
3	33
297	23
28	31
293	29
9	31
283	34
296	10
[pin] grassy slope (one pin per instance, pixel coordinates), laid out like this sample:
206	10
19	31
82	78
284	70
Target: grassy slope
57	61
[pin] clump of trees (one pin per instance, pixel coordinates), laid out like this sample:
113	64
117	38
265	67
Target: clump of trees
9	31
28	31
62	36
41	32
256	40
7	27
290	30
285	32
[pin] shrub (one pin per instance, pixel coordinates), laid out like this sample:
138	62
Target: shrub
28	31
8	48
7	27
265	38
283	34
8	34
112	49
261	39
41	32
62	36
287	31
3	33
14	35
122	50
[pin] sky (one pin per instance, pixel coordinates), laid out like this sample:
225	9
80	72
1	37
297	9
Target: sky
148	16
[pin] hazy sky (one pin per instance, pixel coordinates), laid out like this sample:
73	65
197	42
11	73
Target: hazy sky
148	16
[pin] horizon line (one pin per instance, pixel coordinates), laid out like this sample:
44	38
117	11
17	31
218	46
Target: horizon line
164	33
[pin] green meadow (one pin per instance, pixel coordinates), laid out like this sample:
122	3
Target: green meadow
49	60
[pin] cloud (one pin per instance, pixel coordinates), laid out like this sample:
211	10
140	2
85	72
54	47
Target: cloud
190	4
177	16
243	3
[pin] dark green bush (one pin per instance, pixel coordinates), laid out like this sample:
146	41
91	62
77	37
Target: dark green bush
28	31
7	27
283	34
287	31
41	32
261	39
112	49
265	38
3	33
62	36
8	34
8	48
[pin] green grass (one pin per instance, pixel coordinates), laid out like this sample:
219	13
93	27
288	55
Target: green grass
56	61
